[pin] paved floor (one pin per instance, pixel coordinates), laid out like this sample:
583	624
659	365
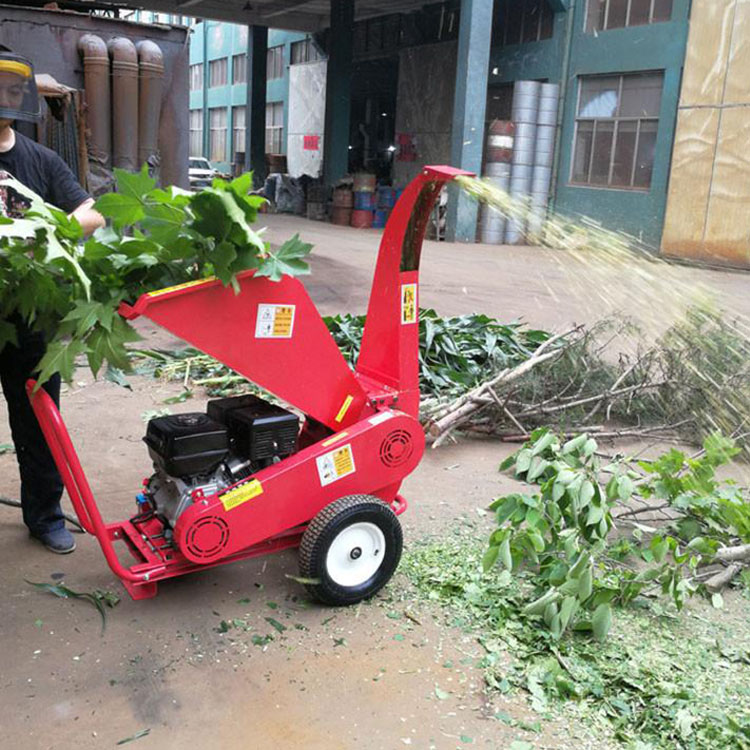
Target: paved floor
362	677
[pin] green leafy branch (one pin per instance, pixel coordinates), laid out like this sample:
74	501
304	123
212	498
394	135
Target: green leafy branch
562	534
70	288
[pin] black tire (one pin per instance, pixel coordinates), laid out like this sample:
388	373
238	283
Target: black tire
355	515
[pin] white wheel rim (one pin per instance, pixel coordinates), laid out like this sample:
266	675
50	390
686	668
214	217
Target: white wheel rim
355	554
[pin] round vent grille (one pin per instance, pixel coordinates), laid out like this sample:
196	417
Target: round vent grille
207	537
396	448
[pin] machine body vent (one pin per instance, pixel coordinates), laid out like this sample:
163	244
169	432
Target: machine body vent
207	538
397	448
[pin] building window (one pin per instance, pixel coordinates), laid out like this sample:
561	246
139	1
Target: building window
274	127
238	126
196	77
239	68
217	145
616	127
217	72
196	132
275	62
524	21
304	51
617	14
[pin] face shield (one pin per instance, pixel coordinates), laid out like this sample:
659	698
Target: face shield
18	95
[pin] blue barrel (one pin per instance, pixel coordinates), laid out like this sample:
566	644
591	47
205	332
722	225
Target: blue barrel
364	201
386	197
380	218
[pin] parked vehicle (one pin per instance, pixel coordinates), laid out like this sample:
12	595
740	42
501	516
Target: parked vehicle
201	172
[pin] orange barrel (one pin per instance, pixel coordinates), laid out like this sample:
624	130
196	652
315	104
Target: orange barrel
364	182
361	219
500	135
341	215
342	197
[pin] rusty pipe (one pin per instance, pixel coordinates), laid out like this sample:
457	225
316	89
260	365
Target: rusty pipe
98	97
124	103
150	83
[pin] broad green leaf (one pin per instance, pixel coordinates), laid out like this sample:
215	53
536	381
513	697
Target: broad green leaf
601	621
122	209
288	259
134	184
490	557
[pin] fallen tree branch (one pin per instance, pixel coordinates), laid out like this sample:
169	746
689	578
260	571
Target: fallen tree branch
723	577
734	554
465	406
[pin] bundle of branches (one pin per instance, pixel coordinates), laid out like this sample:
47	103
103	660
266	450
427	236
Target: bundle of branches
455	354
690	531
70	289
693	381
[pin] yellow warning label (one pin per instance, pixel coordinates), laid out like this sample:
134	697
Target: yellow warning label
344	408
343	461
282	322
408	303
241	494
334	439
186	285
274	321
335	464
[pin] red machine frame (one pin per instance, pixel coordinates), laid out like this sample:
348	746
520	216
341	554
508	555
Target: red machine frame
361	433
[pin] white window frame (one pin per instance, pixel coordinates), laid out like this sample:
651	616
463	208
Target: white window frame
217	73
616	120
196	133
274	132
627	25
238	131
217	135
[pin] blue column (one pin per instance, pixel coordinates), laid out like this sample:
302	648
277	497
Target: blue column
255	103
338	91
469	106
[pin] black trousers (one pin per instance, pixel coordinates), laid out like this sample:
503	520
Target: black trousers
41	485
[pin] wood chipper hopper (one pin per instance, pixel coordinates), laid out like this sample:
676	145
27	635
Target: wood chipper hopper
248	477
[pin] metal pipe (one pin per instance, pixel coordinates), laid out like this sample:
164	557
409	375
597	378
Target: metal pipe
96	83
124	103
150	84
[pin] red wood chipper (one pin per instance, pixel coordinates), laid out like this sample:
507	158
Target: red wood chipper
245	478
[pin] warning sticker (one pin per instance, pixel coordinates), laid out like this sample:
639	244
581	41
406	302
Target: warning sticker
275	322
408	303
335	465
344	408
334	439
186	285
241	494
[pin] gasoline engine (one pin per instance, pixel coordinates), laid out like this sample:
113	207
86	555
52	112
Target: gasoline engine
199	454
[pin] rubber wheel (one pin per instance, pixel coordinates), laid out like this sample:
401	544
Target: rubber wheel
352	547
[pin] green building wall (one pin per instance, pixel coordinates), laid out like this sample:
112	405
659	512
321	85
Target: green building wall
212	40
660	46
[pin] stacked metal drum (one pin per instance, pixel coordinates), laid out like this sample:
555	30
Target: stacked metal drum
526	171
364	200
497	170
544	154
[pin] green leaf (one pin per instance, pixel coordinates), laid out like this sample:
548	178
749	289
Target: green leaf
134	184
505	556
60	357
624	487
441	695
275	624
490	557
124	210
523	461
601	621
286	260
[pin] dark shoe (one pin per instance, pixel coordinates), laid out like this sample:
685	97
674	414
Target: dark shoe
59	541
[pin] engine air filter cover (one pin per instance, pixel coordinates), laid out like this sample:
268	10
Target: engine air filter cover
186	444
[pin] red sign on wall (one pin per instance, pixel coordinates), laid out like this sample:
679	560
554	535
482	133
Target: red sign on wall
407	148
311	143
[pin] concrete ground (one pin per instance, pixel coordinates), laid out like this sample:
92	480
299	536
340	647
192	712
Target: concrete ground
362	677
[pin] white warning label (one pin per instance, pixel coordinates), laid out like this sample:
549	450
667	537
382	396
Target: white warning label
335	464
274	322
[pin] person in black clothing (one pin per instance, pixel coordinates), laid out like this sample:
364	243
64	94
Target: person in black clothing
44	172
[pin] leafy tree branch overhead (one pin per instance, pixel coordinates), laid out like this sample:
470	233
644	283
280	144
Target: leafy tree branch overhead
70	288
